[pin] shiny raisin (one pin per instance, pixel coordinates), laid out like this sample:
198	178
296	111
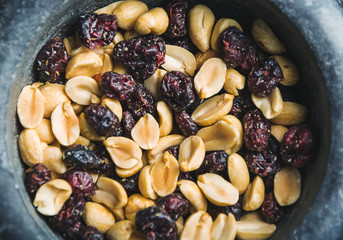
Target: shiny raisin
90	233
128	122
117	86
270	209
263	163
186	124
235	209
130	184
80	181
106	165
214	162
174	204
241	104
177	11
38	175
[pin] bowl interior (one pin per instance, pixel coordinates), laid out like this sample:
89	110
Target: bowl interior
311	90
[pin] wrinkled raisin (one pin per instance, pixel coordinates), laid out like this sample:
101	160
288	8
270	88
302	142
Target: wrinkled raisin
297	146
51	61
241	104
256	130
72	232
80	181
38	175
270	209
90	233
264	77
177	90
117	86
130	184
177	11
186	124
103	120
263	163
214	162
156	224
174	204
174	150
128	122
251	56
97	30
184	42
106	165
235	209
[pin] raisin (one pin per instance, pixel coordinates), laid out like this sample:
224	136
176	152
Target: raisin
117	86
128	122
103	120
91	233
80	181
235	209
51	61
197	101
174	150
184	42
72	232
256	130
186	124
177	90
177	11
264	77
174	204
263	163
97	30
38	175
106	165
142	55
214	162
297	146
156	224
187	176
270	209
251	56
130	184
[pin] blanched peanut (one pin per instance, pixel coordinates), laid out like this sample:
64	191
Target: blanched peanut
113	105
146	132
136	203
192	192
220	27
179	224
236	123
287	186
191	154
121	230
165	118
212	109
153	83
127	13
107	63
30	147
44	131
270	106
107	9
164	175
30	106
200	23
265	38
98	216
84	64
210	78
155	21
234	81
179	59
289	70
238	172
124	173
254	228
198	226
224	227
254	195
51	196
65	124
80	89
130	34
278	132
145	185
52	159
121	69
292	114
87	131
110	193
202	57
217	190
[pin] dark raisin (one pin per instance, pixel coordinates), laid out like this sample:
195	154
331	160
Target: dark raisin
270	209
117	86
251	56
197	101
97	30
235	209
297	146
80	181
264	77
177	90
269	183
91	233
128	122
187	176
186	124
177	11
214	162
106	165
241	104
51	61
103	120
184	42
174	204
256	130
130	184
263	163
174	150
142	55
72	232
156	224
38	175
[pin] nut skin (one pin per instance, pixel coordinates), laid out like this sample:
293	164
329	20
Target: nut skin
155	21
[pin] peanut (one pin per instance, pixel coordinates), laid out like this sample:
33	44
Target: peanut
98	216
127	13
220	27
155	21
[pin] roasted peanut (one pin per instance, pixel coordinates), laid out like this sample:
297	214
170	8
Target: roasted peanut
278	132
87	131
146	132
44	131
253	228
238	172
83	49
234	81
198	226
153	83
202	57
127	13
108	9
145	185
179	224
270	106
84	64
220	27
165	118
118	213
98	216
69	43
107	63
78	109
292	114
80	89
113	105
130	34
135	203
193	193
155	21
287	186
254	195
30	147
121	230
121	69
191	154
236	123
290	71
124	173
52	159
224	227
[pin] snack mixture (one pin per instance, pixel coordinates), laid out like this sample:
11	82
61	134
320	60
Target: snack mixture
163	123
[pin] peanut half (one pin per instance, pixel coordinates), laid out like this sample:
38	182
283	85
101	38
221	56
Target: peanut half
44	131
165	118
146	132
136	203
191	153
113	105
124	173
155	21
254	195
84	64
270	106
127	13
224	227
236	123
108	9
278	132
220	27
98	216
253	228
238	172
81	88
153	83
30	147
130	34
287	186
290	71
144	183
198	226
121	230
234	81
202	57
193	193
52	159
292	114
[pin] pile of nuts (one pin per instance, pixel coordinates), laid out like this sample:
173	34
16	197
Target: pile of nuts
163	124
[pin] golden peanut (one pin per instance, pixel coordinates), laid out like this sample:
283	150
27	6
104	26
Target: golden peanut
290	71
52	159
98	216
153	83
130	34
87	131
118	213
144	183
238	172
287	186
69	43
108	9
254	195
224	227
210	78
179	59
270	106
236	123
95	99
80	89
278	132
121	230
124	173
220	27
202	57
292	114
44	131
118	38
78	109
155	21
252	216
107	63
121	69
30	147
135	204
84	64
136	235
146	132
198	226
127	13
234	81
265	38
113	105
252	228
83	49
165	118
51	196
211	110
191	154
192	192
200	23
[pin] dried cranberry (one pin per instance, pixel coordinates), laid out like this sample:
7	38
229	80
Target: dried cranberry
117	86
270	209
241	104
251	56
91	233
80	181
142	55
38	175
297	146
187	176
97	30
256	130
103	120
174	150
177	90
130	184
235	209
128	122
197	101
177	11
186	124
263	163
106	165
269	183
174	204
184	42
51	61
72	232
156	224
264	77
214	162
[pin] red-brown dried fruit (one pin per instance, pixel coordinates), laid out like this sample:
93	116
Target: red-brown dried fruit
186	124
177	11
214	162
106	165
251	56
184	42
80	181
268	183
188	176
128	122
235	209
38	175
117	86
90	233
130	184
263	163
71	232
241	104
174	150
174	204
270	209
